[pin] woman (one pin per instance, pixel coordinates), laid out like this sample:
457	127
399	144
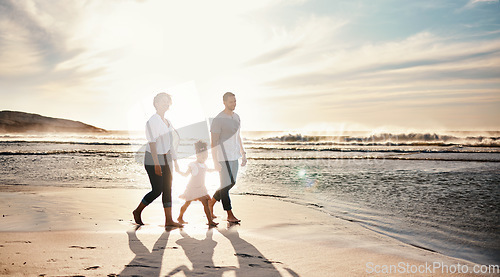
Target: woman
158	160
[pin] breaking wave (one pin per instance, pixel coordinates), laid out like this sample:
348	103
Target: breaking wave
488	139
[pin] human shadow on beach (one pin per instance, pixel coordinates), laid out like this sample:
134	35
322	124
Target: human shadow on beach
145	263
200	254
251	261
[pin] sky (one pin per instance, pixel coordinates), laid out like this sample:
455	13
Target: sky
294	65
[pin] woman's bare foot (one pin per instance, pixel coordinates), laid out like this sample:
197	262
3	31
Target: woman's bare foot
137	217
214	216
181	221
212	224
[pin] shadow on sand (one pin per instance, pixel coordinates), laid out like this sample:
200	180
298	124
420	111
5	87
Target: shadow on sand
200	253
251	261
145	263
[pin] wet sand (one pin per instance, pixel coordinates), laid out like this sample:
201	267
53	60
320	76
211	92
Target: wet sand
53	231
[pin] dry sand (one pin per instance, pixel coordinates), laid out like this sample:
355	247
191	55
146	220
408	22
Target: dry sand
89	232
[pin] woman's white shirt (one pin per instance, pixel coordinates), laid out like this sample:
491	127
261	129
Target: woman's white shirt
158	131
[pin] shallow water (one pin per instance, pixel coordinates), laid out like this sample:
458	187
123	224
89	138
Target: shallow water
449	207
438	195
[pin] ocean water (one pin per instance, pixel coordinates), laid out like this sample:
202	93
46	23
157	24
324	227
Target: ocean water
440	192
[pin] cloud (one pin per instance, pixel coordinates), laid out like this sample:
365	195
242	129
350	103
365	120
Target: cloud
421	72
271	56
420	57
289	50
36	49
472	3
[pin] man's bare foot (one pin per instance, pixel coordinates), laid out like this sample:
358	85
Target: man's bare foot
181	221
137	217
173	224
233	220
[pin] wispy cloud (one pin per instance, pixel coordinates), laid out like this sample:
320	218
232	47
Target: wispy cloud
473	3
423	71
35	46
271	56
422	52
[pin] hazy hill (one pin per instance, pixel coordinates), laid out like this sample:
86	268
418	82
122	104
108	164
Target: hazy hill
12	121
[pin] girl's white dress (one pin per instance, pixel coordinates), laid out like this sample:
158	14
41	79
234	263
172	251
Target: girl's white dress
196	186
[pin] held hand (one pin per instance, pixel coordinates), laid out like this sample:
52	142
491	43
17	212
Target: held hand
178	170
244	160
158	169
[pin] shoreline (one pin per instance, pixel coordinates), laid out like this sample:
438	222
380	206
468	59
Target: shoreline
276	237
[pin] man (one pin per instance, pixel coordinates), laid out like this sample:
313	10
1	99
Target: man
227	148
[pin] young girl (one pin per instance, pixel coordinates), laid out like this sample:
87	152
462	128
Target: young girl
195	189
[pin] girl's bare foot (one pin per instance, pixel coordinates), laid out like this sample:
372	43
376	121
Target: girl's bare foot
181	221
214	216
173	224
137	217
212	224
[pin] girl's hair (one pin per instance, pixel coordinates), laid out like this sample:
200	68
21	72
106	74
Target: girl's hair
200	146
160	96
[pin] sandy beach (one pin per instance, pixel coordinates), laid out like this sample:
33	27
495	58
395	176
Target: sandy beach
51	231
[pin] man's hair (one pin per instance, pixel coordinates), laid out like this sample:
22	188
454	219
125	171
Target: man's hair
227	95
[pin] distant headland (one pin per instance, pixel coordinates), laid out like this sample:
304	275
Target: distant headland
21	122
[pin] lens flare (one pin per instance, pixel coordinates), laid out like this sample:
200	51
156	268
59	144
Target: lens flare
302	173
